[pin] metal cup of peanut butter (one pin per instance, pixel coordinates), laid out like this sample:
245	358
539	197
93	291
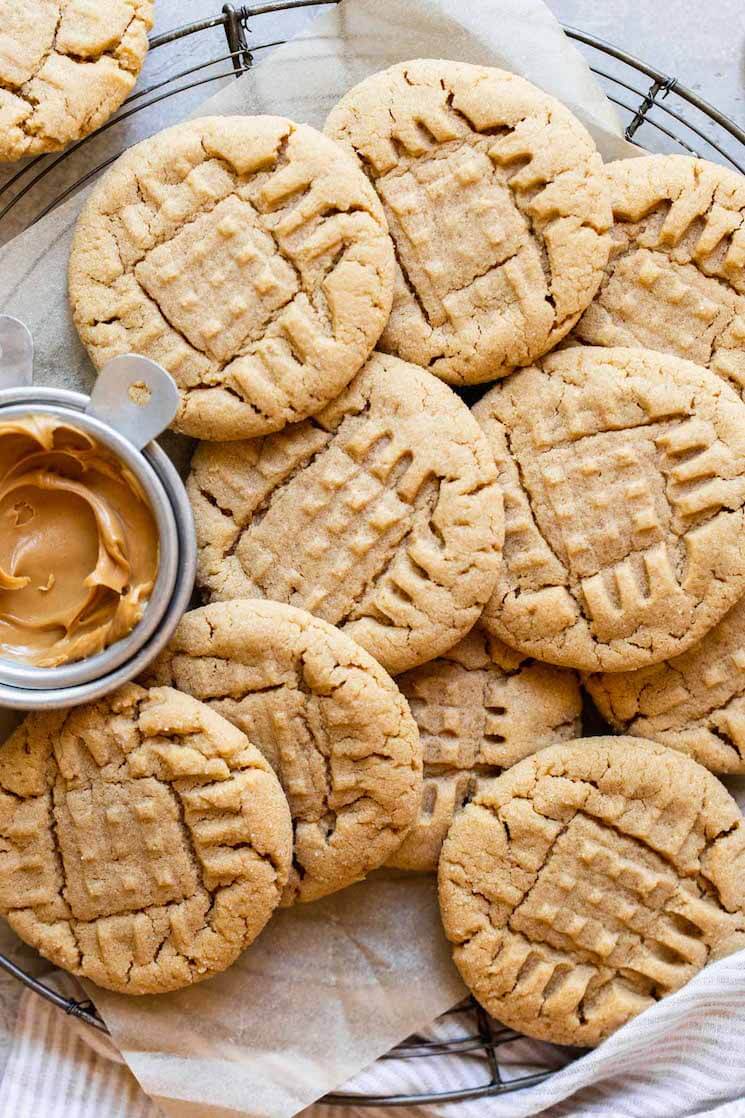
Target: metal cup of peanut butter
97	541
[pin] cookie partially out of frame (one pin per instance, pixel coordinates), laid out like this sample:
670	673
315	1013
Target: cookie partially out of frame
65	67
588	882
480	708
329	720
675	280
624	486
146	841
498	207
381	515
694	702
249	256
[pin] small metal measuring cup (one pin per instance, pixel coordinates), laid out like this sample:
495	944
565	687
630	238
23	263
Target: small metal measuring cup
133	400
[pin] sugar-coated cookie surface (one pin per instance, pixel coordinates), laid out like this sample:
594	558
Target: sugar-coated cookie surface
694	702
480	708
675	280
624	486
588	882
65	67
247	255
381	515
330	721
146	841
498	207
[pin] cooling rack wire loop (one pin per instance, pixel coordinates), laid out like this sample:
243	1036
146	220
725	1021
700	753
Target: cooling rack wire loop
663	116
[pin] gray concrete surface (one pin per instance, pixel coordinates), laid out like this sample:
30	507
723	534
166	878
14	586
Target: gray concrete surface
700	42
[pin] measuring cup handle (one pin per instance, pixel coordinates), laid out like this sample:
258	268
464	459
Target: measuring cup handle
136	397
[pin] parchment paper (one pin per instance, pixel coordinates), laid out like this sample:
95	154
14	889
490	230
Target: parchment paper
318	996
330	986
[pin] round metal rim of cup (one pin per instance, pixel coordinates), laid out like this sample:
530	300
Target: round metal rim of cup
23	687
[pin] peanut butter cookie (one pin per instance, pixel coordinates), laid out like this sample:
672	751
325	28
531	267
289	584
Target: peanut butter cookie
588	882
480	708
694	702
326	716
249	256
498	207
624	486
675	281
382	515
65	67
145	840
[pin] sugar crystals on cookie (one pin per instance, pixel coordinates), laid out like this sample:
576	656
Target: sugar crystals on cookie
146	840
65	67
694	702
497	204
382	515
590	881
249	256
624	485
675	281
331	722
480	708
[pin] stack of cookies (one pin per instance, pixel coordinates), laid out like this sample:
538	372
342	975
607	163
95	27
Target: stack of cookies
319	299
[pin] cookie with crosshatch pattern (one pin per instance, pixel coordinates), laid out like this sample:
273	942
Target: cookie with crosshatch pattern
675	280
382	515
146	841
247	255
480	707
588	882
497	205
65	67
330	721
623	473
694	702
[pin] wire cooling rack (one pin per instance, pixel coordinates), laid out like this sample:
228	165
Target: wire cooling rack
660	114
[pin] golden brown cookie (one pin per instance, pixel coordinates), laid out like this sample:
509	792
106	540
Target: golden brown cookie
65	67
694	702
249	256
588	882
624	486
675	281
480	708
145	840
382	515
498	207
326	716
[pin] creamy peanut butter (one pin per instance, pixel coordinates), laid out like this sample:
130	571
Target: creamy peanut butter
78	543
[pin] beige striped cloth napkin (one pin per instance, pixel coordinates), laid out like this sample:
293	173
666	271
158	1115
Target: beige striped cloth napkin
683	1058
